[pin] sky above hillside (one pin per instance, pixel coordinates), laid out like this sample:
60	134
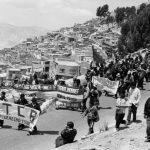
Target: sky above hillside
54	14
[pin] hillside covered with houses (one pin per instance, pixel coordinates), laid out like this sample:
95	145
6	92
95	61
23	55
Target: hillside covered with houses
69	51
70	44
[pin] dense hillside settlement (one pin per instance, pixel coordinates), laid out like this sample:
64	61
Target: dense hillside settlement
73	44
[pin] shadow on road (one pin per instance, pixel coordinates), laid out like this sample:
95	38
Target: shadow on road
48	132
138	121
69	109
122	128
7	127
105	107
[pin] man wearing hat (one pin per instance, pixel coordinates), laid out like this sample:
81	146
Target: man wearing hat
22	101
2	98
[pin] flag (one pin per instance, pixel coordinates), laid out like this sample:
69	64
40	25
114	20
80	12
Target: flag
99	56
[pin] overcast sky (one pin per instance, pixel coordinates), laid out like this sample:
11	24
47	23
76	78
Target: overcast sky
54	14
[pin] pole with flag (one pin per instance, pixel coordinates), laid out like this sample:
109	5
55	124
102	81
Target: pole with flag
97	58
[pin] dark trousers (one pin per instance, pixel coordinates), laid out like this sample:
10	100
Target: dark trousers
148	128
147	76
21	126
35	128
119	119
132	109
59	141
140	83
91	125
84	104
1	122
91	102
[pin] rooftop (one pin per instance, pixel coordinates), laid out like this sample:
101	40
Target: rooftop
67	63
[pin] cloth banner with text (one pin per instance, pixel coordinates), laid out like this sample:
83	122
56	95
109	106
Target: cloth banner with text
106	84
69	97
18	113
38	87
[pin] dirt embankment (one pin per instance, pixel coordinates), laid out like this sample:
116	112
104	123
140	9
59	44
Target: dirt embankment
128	138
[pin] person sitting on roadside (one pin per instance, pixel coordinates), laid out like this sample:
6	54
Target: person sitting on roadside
22	101
67	135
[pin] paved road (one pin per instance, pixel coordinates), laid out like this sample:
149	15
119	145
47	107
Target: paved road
54	121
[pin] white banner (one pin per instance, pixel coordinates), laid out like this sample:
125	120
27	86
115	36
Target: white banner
18	113
106	84
48	104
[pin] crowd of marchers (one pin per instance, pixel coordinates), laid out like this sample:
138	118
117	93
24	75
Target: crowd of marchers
131	74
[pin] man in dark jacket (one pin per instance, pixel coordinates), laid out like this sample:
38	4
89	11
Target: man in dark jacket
147	117
85	96
2	98
94	96
34	104
21	101
67	135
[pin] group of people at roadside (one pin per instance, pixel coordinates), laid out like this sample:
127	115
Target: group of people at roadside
131	74
130	101
22	101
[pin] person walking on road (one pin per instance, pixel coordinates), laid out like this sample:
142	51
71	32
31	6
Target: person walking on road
147	117
85	97
94	96
134	97
121	105
92	117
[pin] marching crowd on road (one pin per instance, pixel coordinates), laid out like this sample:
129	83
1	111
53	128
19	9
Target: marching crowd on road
130	72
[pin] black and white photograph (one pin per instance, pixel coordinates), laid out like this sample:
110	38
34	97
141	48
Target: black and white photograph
74	75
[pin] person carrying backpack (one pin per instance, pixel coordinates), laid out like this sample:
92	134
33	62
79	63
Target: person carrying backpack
92	117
